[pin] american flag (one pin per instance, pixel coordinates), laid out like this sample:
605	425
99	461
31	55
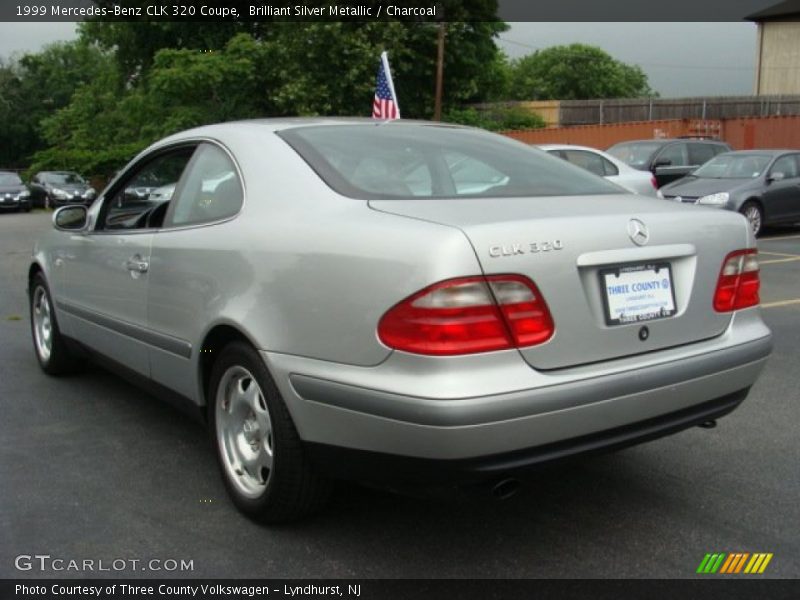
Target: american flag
385	105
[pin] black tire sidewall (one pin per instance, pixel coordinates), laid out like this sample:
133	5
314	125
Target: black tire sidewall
241	354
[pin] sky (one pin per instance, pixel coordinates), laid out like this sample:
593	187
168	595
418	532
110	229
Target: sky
680	59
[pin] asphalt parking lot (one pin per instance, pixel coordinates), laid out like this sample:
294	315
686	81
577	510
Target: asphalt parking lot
93	468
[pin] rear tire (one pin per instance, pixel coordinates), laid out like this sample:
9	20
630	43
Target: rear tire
754	215
49	345
263	463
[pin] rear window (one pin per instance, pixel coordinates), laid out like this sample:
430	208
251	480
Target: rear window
409	161
636	154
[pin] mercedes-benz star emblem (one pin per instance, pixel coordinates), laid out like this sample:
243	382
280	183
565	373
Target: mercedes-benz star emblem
638	232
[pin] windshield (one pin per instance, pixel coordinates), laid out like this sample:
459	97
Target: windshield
733	166
10	179
62	178
404	161
636	154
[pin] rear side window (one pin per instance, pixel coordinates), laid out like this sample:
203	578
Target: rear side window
594	163
211	189
407	161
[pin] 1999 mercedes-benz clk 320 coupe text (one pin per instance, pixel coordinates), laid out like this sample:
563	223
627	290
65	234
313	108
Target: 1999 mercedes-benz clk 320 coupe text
399	301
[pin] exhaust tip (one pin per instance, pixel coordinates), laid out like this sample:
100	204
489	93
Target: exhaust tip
505	488
709	424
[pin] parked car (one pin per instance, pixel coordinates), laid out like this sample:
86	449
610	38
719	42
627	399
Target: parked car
763	185
605	165
667	159
56	188
14	195
331	320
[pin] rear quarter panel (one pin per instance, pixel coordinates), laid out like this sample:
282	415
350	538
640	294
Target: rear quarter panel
301	270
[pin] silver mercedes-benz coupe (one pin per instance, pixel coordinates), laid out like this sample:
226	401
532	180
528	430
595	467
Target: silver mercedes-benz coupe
398	302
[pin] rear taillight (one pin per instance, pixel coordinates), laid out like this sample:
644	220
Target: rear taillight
654	181
738	283
468	315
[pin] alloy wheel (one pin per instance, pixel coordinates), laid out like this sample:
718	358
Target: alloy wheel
244	432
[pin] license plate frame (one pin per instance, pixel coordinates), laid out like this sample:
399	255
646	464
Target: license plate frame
655	273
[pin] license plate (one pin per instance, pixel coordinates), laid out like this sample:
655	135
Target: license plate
637	293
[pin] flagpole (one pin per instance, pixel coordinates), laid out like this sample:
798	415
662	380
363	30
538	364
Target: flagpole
388	71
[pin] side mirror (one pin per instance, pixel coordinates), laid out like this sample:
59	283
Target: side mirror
71	218
776	176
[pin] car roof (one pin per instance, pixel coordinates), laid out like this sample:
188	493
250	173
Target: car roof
223	131
664	141
761	151
279	124
567	147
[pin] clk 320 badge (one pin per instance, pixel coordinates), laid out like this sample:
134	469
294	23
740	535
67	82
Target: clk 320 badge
529	248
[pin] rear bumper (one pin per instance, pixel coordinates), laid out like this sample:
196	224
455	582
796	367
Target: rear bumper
363	465
485	414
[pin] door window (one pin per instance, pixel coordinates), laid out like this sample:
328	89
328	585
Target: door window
140	200
701	153
676	154
211	190
786	165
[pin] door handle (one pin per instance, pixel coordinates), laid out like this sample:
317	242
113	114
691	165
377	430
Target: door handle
137	263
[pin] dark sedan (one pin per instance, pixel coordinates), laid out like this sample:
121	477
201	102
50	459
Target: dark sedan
56	188
13	193
667	159
763	185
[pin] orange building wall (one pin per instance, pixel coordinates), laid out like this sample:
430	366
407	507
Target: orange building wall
742	133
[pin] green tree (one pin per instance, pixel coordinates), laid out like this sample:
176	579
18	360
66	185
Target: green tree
498	118
575	72
35	86
164	77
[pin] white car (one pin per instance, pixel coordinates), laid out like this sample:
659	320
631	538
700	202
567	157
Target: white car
605	165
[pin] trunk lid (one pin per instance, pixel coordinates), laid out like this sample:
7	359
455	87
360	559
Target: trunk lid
563	244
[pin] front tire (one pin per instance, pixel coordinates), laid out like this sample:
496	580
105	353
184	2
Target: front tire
754	215
263	463
51	349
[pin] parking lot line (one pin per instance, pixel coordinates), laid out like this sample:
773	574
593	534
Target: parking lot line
778	260
777	253
778	239
781	303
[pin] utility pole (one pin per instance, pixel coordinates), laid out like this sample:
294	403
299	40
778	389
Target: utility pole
437	101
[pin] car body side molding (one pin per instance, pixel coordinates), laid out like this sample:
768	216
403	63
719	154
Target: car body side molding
167	343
